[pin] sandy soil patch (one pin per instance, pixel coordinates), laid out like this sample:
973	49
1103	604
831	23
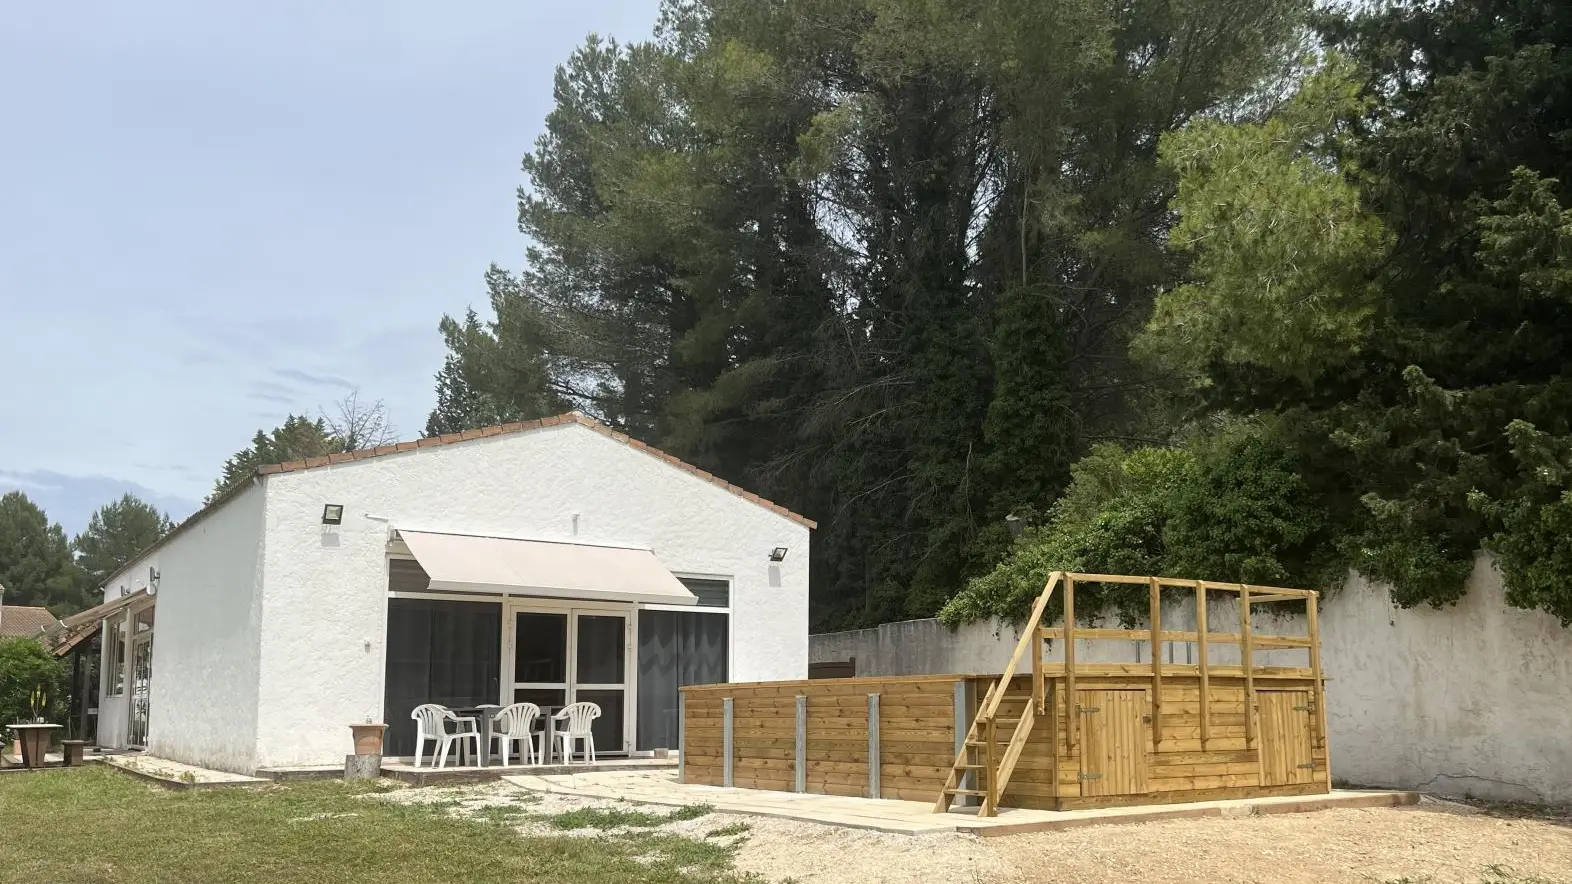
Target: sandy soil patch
1436	843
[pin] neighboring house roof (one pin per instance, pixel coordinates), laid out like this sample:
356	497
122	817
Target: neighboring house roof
572	417
17	621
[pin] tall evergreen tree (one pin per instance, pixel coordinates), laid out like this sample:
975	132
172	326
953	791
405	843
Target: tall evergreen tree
116	532
36	566
297	437
879	260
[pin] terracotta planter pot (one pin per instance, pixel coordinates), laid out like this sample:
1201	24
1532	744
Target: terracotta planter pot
368	738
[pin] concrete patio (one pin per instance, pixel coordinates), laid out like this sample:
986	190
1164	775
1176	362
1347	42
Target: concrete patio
912	817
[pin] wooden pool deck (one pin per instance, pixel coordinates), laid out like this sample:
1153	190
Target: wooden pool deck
916	817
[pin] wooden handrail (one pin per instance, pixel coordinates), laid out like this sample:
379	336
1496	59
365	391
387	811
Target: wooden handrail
1029	639
1174	635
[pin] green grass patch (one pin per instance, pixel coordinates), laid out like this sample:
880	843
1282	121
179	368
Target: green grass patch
729	831
618	818
93	825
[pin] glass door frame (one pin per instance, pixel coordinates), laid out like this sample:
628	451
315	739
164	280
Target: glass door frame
139	676
573	609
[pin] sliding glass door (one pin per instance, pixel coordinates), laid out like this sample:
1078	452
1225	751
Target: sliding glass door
575	655
676	649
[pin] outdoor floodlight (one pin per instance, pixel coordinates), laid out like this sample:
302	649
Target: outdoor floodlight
778	554
333	514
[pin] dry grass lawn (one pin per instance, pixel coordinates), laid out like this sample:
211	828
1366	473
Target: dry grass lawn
95	825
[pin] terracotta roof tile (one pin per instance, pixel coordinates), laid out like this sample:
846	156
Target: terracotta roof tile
22	620
524	427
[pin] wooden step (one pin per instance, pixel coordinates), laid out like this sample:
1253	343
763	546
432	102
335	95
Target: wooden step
977	792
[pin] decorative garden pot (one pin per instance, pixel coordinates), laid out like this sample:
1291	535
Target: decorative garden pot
368	738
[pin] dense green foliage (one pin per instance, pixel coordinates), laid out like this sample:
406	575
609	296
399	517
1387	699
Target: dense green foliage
116	532
898	265
878	260
24	668
297	437
1231	510
1383	275
36	566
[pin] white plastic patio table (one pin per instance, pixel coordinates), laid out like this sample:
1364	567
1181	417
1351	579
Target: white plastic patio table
483	715
550	725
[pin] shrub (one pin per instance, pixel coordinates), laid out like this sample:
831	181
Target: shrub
24	666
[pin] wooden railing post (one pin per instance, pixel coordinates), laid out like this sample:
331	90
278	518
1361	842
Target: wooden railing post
1037	669
1156	617
1074	724
1247	663
1319	718
1206	683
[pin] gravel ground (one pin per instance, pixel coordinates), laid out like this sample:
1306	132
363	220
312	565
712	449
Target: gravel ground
1435	843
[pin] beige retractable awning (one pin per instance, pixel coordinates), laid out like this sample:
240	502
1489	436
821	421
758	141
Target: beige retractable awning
470	563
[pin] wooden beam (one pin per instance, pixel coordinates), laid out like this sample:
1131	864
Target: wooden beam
1156	617
1206	685
991	708
1107	578
1037	668
1319	718
1247	663
991	800
1281	641
1069	660
1259	599
1262	590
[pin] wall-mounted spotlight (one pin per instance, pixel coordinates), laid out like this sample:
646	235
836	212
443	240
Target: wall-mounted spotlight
778	554
333	514
152	579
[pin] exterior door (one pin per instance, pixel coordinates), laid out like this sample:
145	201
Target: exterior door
1285	737
1114	741
141	691
563	656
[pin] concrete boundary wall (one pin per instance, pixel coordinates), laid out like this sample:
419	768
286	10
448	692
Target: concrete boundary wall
1474	699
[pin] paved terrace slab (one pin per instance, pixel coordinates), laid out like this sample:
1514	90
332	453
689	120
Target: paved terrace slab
915	817
176	775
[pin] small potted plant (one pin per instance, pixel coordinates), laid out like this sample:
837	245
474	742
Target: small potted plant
39	703
34	735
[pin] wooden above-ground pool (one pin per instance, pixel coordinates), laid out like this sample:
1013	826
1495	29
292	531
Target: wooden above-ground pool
1068	736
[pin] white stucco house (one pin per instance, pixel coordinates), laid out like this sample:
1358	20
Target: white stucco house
548	561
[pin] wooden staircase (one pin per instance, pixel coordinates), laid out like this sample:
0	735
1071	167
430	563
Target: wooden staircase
979	770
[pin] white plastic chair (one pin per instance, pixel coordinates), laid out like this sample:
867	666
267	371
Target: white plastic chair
431	724
578	718
516	724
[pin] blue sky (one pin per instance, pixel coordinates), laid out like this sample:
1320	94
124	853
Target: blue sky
214	214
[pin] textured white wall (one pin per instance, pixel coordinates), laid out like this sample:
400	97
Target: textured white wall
325	589
1474	699
205	639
